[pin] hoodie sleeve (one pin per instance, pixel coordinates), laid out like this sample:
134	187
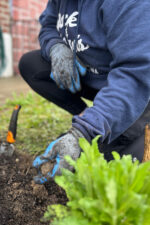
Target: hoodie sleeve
49	35
119	104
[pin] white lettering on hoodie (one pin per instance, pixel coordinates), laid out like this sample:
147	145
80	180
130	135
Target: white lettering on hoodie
67	22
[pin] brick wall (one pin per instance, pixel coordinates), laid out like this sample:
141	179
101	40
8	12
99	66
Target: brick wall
5	16
5	24
25	27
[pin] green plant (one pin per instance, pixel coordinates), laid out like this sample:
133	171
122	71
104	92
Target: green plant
103	193
39	122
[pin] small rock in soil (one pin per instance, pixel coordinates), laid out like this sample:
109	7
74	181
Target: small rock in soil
47	167
39	190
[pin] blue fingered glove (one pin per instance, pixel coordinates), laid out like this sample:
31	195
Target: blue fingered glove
58	149
62	71
40	160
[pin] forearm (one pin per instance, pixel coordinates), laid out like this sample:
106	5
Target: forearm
116	107
123	100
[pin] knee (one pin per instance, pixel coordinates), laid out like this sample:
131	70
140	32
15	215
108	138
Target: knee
24	65
28	64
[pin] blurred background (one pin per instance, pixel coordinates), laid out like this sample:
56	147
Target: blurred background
39	120
19	27
19	30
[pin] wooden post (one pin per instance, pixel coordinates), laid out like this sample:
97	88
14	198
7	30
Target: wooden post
147	144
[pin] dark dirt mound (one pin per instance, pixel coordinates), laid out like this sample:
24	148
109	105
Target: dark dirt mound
21	201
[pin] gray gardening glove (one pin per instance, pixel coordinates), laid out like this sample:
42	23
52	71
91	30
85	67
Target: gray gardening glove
62	71
68	144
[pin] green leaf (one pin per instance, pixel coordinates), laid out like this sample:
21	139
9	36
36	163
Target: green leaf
103	193
116	155
111	192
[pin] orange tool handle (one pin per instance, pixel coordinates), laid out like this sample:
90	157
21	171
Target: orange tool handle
12	130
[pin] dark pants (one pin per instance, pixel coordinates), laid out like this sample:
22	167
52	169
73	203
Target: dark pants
36	72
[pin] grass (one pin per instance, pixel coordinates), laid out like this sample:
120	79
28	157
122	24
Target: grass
39	122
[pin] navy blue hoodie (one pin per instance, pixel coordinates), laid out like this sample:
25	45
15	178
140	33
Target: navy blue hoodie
112	39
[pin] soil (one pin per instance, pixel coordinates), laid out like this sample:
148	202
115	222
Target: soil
22	202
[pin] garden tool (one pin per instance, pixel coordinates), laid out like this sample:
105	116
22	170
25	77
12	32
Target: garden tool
6	147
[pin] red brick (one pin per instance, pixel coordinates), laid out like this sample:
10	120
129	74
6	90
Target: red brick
24	25
4	16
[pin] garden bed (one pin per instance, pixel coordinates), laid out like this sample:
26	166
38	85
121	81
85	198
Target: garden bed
21	201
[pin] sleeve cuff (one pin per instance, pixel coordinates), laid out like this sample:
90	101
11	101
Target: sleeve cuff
83	131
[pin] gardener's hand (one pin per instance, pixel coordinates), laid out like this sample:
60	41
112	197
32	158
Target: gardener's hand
62	71
58	149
